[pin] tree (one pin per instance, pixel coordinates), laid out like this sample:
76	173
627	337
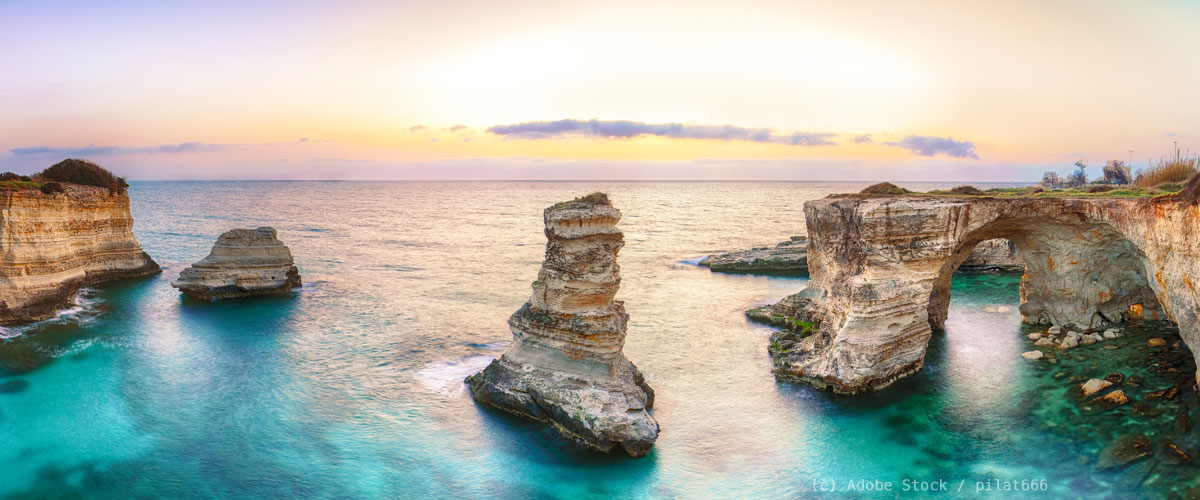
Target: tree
1052	180
1079	176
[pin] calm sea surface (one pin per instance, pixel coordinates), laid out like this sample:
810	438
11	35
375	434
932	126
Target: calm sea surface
352	386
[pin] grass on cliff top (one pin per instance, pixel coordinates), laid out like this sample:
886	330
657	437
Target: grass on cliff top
1090	191
591	199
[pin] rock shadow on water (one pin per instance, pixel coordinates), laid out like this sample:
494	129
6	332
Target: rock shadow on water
14	386
537	442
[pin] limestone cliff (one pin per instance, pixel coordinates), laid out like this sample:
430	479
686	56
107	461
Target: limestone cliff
880	271
51	245
243	263
565	365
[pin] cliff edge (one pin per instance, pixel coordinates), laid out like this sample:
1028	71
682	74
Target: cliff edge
52	244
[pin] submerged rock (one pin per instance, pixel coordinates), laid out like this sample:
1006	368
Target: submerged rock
1124	450
1156	342
243	263
1033	355
1170	453
565	365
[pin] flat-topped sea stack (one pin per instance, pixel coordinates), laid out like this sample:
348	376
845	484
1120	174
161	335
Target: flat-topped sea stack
565	365
243	263
881	266
57	237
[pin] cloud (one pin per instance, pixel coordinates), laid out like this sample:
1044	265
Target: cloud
457	128
183	147
626	129
94	150
304	140
863	138
417	128
931	146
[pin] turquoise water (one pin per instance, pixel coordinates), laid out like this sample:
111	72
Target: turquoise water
352	386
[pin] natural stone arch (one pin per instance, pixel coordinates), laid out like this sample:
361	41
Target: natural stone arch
880	272
1077	274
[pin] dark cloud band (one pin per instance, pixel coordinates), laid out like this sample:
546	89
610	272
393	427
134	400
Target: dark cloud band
626	129
932	146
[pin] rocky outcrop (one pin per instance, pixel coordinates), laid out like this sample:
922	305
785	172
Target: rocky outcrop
565	365
880	271
791	257
997	253
243	263
51	245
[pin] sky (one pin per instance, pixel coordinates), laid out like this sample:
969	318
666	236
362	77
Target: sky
765	90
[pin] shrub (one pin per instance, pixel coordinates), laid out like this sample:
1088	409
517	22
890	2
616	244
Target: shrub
884	188
25	178
51	187
1167	170
9	176
86	173
967	191
1099	188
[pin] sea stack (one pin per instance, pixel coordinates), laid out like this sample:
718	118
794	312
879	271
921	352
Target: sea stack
55	241
565	365
243	263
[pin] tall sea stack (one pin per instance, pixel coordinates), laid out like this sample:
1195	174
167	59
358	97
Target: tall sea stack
565	365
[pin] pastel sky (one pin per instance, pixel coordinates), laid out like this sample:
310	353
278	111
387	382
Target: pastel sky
847	90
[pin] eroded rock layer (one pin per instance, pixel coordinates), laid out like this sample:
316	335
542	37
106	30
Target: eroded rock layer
565	365
243	263
880	273
791	257
51	245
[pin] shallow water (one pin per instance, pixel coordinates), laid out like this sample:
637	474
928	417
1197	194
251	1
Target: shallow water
352	386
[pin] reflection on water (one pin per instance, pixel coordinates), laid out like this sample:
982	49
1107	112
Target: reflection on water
351	387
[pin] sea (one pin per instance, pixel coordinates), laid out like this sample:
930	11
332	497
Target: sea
352	386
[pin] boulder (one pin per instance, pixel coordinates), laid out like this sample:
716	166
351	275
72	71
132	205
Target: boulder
1033	355
1093	386
1113	399
243	263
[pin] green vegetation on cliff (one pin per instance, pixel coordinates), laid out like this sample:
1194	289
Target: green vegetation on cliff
70	171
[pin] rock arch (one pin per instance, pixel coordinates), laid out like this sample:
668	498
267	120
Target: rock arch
880	271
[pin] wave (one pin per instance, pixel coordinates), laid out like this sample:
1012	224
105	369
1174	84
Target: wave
84	310
446	377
